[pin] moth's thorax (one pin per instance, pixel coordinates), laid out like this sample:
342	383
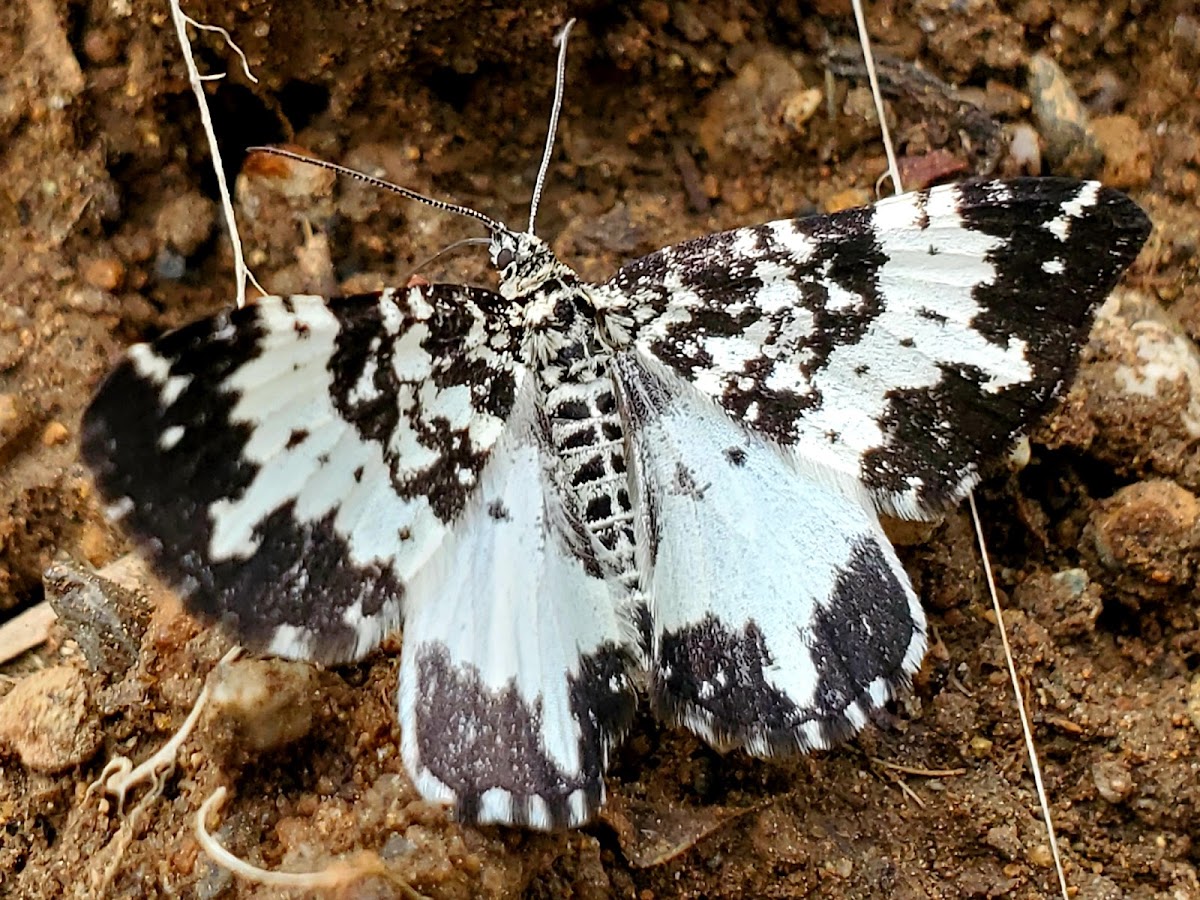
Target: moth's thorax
552	308
559	327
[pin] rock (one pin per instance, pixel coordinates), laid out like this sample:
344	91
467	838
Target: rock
1112	779
55	433
1128	153
105	272
48	722
102	45
1135	404
1071	146
762	109
267	702
1040	856
185	222
1148	533
104	619
1006	840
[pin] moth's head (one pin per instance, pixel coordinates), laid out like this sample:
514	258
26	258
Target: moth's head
523	260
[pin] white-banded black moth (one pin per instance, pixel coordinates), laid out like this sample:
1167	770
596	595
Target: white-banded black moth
563	490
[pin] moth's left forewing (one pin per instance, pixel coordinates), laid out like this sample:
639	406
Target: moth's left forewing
902	345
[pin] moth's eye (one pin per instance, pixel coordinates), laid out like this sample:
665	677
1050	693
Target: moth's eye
504	258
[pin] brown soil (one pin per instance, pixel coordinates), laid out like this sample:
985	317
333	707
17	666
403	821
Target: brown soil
680	118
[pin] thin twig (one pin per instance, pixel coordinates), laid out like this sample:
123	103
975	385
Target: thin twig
1026	729
201	26
905	789
181	21
864	39
916	770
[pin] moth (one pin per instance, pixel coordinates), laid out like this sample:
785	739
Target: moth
567	493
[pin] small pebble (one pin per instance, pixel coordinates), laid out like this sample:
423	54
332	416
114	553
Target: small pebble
46	720
1074	581
54	434
396	847
102	45
106	272
1040	856
801	106
169	265
94	542
15	417
91	300
1005	839
981	747
267	701
1148	534
1024	149
1062	120
185	222
1113	780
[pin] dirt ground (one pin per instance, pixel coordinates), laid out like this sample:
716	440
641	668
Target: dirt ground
680	118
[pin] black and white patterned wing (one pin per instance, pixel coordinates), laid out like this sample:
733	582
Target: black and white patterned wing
292	466
515	675
783	383
781	616
898	346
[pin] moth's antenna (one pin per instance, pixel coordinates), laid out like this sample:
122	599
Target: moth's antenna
464	242
560	78
491	223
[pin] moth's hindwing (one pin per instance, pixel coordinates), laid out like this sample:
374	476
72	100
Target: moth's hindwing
289	467
901	345
515	673
781	616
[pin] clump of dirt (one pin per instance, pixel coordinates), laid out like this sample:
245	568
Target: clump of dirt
681	118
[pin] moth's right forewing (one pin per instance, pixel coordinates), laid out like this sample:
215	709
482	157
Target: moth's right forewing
290	466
